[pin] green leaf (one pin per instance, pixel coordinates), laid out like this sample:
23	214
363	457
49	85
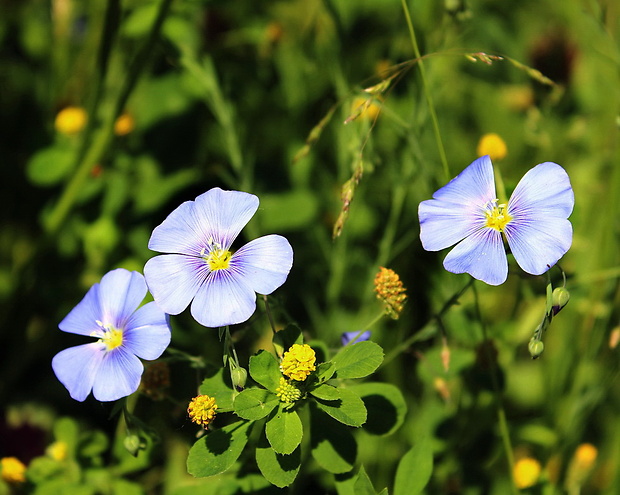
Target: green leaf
358	360
219	387
50	165
218	450
324	371
385	405
287	337
265	370
332	443
414	469
349	408
284	431
288	211
326	392
363	485
254	403
280	470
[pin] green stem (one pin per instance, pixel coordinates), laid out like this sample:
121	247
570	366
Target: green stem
427	93
269	315
501	413
103	139
422	334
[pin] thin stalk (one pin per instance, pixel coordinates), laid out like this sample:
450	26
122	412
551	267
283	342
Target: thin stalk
97	150
501	413
427	93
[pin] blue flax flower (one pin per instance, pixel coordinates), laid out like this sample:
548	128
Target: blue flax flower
350	337
199	265
110	367
466	212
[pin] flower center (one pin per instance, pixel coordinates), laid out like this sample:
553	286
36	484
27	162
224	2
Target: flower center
497	216
218	259
112	337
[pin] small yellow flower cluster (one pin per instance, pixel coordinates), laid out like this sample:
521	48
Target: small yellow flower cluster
13	470
124	125
390	290
493	145
201	410
298	362
287	392
526	472
57	451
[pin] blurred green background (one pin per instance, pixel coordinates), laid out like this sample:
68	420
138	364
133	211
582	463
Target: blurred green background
227	93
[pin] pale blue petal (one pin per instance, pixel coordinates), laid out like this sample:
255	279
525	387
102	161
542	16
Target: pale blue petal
118	376
457	209
77	367
538	244
147	333
82	319
222	214
544	191
263	263
481	255
180	233
347	337
225	299
174	279
120	293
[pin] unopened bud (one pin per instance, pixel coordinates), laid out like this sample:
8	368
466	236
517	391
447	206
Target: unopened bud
134	444
559	298
238	376
536	348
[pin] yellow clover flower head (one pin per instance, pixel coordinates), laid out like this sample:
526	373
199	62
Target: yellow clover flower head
201	410
71	120
287	392
298	362
13	470
57	451
390	291
526	472
493	145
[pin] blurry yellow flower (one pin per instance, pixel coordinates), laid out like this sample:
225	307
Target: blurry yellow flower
614	338
390	290
13	470
287	392
124	125
298	362
493	145
581	465
57	451
71	120
526	472
201	410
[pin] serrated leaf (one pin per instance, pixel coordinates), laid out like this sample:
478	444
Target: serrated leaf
326	392
358	360
332	444
284	431
254	403
385	405
265	370
348	409
280	470
414	469
218	450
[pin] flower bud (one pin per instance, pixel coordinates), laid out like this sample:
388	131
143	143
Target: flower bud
134	444
238	376
559	298
536	348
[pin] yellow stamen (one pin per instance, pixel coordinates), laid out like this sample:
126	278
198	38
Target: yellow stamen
497	216
217	259
112	338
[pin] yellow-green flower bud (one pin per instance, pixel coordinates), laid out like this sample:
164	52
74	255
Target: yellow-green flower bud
238	376
536	348
559	299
